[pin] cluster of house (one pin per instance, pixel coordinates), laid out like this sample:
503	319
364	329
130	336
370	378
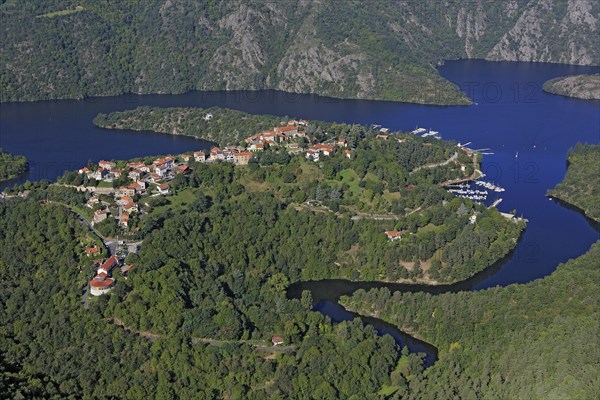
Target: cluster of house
142	175
279	135
103	281
314	152
153	178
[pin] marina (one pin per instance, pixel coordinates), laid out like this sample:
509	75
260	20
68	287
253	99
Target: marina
424	133
468	191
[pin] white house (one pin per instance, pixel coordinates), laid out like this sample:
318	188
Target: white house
164	188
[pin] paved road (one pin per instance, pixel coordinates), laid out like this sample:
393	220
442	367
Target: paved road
448	161
476	174
84	297
91	189
375	218
214	342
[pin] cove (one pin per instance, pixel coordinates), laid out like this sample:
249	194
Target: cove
511	114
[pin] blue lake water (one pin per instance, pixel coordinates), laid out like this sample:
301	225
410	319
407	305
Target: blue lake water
511	114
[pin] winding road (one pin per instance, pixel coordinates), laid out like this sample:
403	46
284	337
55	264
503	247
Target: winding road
441	164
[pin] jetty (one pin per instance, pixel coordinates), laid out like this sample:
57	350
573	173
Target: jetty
495	203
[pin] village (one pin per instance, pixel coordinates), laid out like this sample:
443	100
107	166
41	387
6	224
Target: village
153	179
109	199
146	180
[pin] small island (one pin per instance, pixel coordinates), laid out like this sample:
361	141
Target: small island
580	187
585	87
12	166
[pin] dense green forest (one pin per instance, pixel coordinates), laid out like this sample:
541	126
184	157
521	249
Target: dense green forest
532	341
11	165
226	126
585	87
51	347
581	185
377	49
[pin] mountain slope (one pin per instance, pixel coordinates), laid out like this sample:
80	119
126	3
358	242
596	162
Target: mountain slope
378	50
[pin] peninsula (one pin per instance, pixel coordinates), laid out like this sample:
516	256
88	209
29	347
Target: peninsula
585	87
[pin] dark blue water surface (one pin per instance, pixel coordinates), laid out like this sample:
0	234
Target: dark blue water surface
511	115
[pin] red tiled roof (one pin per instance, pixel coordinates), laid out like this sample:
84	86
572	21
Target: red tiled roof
109	263
163	186
393	234
288	128
92	250
321	146
101	283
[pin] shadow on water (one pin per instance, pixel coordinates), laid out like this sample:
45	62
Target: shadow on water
593	223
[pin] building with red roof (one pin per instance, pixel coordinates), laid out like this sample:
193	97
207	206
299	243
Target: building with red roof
242	158
124	220
393	235
163	188
102	282
277	340
106	164
100	285
90	251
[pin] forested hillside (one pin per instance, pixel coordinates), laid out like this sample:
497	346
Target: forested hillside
376	49
581	185
225	126
51	347
533	341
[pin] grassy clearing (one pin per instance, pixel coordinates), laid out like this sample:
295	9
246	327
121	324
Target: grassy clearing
177	201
